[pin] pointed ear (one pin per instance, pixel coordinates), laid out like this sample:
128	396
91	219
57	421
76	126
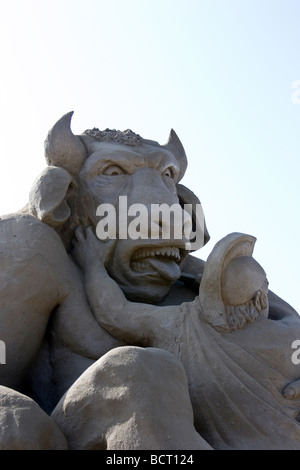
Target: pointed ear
186	196
47	196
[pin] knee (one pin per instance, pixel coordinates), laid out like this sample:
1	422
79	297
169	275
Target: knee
24	426
131	398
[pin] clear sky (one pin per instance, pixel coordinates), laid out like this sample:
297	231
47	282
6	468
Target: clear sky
220	72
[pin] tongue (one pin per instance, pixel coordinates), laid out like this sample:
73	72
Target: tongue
168	269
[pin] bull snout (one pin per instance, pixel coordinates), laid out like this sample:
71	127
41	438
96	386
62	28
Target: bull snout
149	186
158	195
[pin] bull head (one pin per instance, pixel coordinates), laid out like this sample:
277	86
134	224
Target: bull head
65	150
65	154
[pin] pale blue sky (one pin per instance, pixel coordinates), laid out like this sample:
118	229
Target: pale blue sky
220	72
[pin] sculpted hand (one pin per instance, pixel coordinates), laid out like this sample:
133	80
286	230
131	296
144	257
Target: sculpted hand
88	249
292	390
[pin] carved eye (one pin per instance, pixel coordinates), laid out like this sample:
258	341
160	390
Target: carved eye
113	170
169	172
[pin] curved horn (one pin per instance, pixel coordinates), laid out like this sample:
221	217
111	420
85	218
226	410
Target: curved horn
63	148
175	146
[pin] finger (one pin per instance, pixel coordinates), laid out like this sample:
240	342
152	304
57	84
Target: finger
89	232
292	390
79	233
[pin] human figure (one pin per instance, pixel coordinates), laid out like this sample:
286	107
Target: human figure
237	359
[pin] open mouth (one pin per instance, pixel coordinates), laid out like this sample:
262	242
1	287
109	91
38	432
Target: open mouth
163	261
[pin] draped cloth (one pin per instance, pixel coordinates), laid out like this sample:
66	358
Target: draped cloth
236	381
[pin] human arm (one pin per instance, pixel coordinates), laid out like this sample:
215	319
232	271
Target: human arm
132	322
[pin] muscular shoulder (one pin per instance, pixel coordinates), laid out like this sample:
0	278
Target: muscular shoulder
24	233
29	247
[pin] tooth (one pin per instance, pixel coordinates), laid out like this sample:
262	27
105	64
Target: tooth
136	256
137	266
